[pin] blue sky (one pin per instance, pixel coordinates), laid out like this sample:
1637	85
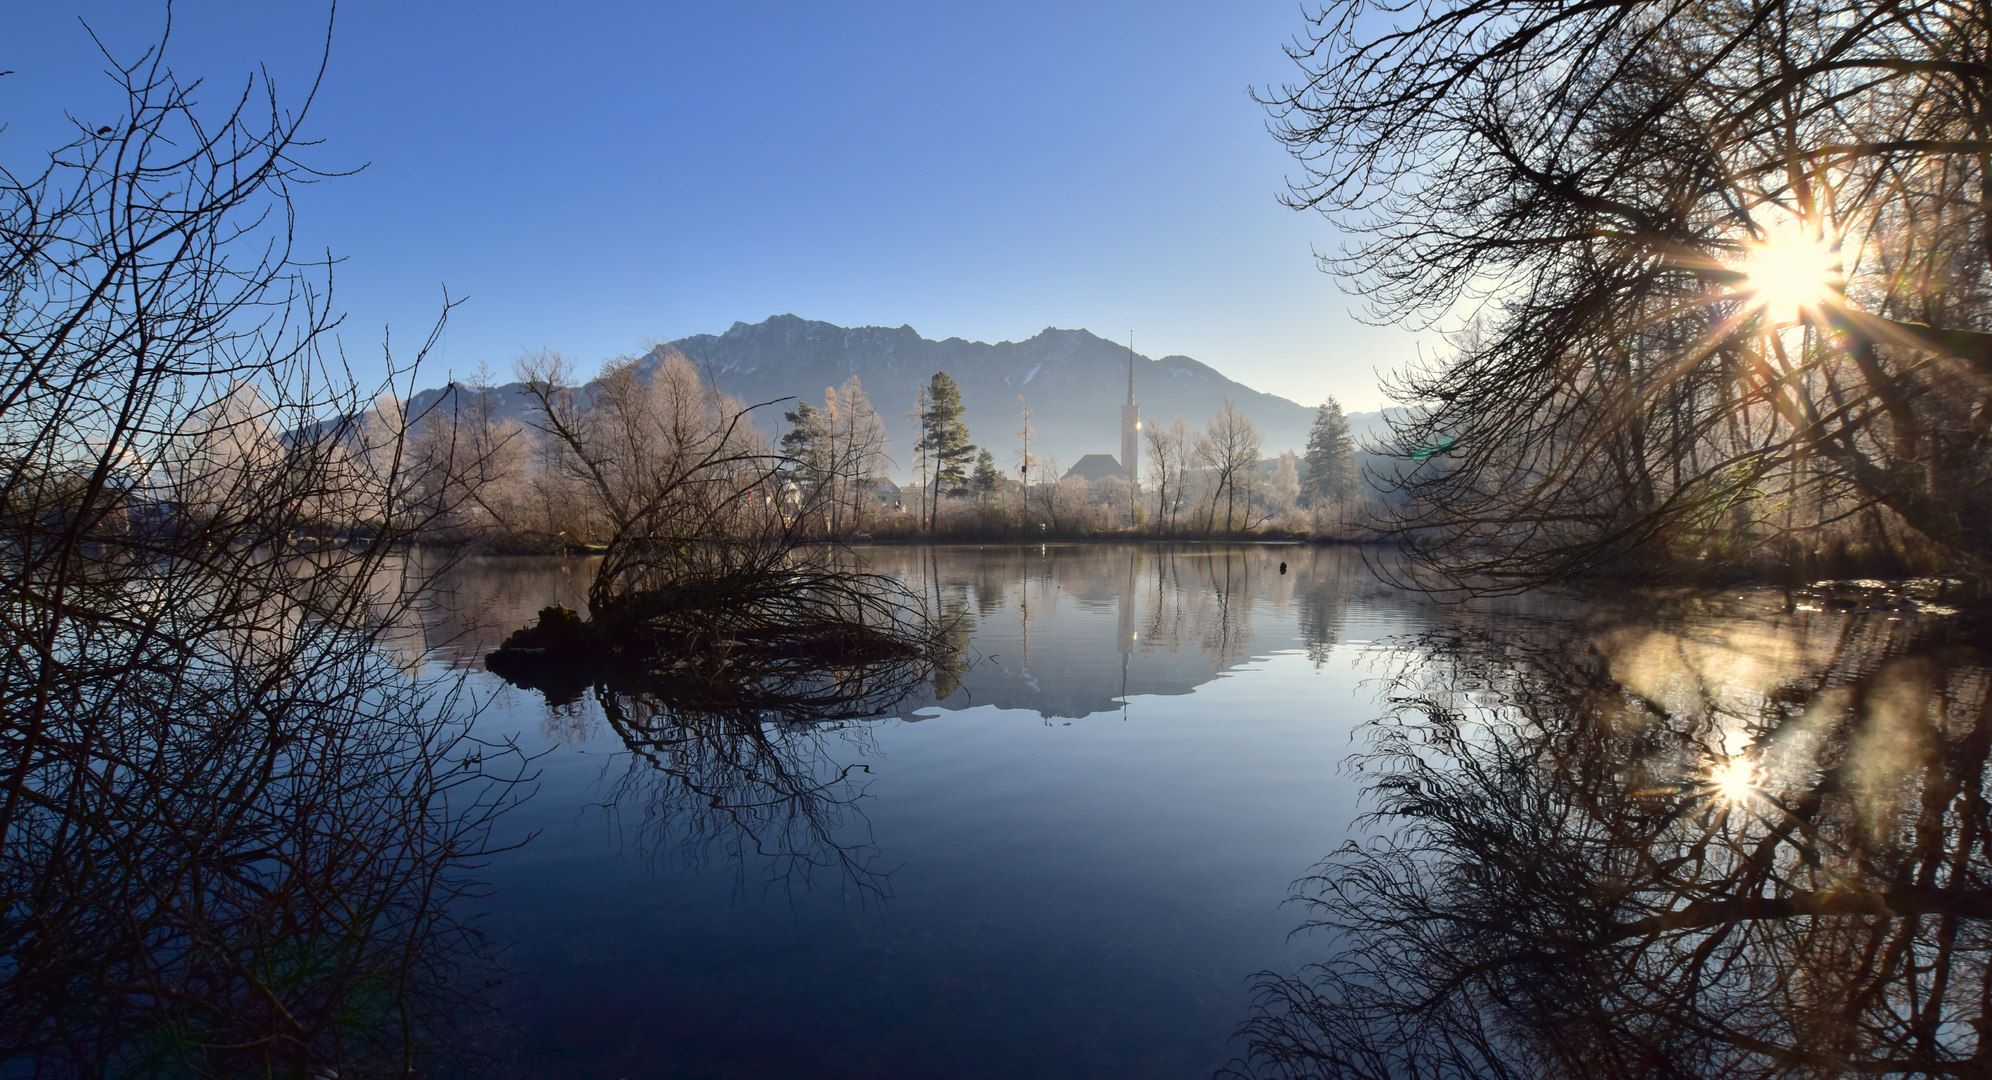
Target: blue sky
595	175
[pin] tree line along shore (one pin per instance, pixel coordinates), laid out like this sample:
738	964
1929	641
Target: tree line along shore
544	481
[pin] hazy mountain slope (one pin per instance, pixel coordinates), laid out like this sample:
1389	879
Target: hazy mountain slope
1075	380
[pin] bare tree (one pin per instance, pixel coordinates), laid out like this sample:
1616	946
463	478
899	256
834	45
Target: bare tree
856	452
231	821
1731	265
1228	454
673	464
1168	457
474	464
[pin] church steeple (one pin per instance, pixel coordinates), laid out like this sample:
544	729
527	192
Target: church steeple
1130	369
1131	429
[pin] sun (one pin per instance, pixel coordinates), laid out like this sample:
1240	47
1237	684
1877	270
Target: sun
1734	780
1785	274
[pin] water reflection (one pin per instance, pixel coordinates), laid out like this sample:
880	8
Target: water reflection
745	761
763	764
237	830
1080	884
1725	841
770	792
730	747
1025	623
1071	631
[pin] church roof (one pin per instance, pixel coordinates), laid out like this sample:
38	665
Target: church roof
1096	467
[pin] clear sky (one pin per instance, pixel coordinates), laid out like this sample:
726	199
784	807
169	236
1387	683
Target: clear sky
595	175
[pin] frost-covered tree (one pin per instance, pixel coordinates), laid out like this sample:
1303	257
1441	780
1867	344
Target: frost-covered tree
1331	457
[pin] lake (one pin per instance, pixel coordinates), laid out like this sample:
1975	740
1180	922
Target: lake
1697	830
1071	864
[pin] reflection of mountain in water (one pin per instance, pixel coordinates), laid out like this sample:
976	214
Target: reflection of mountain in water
1066	631
745	767
1070	631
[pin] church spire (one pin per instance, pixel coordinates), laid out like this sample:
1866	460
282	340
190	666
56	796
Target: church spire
1130	456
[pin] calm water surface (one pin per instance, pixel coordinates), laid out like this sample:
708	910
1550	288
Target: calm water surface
1745	833
1068	858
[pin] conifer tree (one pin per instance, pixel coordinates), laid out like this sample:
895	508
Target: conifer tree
945	437
987	478
801	444
805	445
1331	456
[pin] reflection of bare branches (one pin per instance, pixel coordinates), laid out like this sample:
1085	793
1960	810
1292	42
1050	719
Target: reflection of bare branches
272	886
1226	622
1731	846
717	664
1197	594
742	764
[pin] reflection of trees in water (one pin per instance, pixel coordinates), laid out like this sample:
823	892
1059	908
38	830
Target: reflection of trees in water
474	602
1204	595
746	786
1170	597
731	733
948	602
992	583
1740	845
1224	606
1324	598
733	755
234	836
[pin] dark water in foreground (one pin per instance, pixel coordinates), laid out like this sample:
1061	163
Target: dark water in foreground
1070	864
1746	834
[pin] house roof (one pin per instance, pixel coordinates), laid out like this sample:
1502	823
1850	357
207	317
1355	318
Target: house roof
1096	467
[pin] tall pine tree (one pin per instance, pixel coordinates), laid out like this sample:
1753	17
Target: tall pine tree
1331	457
944	437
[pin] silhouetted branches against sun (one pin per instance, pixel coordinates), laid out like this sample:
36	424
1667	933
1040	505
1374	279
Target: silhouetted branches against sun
1722	272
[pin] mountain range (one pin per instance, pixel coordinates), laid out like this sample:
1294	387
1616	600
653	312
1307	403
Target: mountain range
1075	382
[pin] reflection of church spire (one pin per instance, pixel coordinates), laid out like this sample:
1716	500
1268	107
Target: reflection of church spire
1126	631
1126	590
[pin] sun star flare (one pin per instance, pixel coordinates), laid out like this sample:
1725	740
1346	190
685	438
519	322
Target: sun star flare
1786	274
1734	780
